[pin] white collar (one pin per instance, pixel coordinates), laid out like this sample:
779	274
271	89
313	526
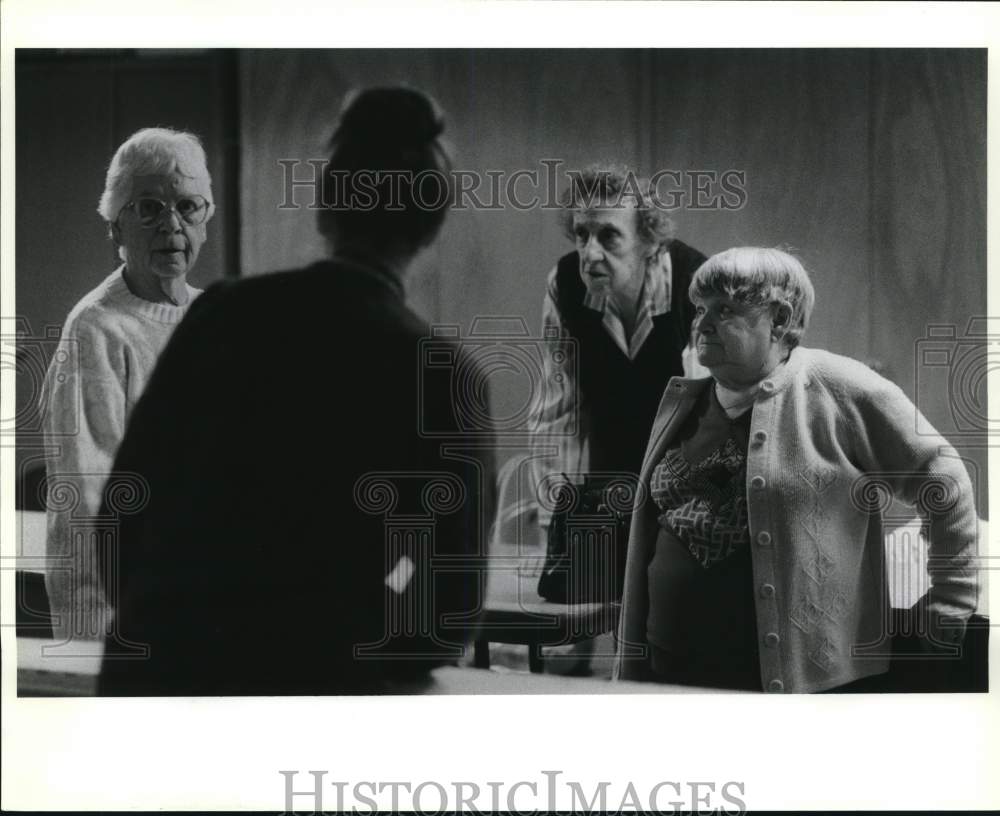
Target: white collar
735	402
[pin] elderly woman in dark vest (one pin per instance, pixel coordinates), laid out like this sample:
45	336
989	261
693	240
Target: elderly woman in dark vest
301	535
756	559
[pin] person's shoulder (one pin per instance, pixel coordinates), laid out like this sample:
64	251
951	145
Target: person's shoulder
324	298
685	258
252	287
94	313
570	262
564	278
845	374
272	291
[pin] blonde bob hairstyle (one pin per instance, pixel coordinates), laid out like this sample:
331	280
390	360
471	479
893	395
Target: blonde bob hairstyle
759	276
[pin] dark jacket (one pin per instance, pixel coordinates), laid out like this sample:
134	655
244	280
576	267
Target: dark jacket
291	448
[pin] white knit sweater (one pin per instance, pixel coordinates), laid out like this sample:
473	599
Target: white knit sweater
105	356
824	430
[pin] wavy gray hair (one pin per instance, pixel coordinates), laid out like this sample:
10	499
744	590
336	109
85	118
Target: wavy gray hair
759	276
150	151
608	183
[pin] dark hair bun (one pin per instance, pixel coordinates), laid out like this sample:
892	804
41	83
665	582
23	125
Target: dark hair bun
383	131
386	118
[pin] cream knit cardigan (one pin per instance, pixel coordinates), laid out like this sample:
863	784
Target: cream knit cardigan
830	441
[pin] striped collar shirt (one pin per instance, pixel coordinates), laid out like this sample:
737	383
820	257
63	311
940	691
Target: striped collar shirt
654	300
560	422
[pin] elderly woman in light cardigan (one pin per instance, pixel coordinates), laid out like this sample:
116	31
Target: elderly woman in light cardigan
157	201
756	557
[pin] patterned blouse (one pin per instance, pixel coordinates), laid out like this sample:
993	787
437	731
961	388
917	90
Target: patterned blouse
701	619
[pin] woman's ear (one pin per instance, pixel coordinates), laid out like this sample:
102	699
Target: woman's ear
781	319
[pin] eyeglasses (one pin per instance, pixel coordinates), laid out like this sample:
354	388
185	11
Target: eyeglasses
192	210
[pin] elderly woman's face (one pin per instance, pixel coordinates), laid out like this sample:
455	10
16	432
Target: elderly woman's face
733	340
168	247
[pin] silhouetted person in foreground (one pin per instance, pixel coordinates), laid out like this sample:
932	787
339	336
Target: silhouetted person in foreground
302	534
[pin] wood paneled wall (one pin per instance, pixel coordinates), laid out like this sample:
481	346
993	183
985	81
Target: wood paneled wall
870	165
73	110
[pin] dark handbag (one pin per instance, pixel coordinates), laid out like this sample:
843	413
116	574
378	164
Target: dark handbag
588	541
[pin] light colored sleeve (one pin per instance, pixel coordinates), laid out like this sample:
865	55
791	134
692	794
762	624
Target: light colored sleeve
923	470
559	420
83	407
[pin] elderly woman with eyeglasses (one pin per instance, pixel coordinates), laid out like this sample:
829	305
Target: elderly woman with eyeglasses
157	201
756	558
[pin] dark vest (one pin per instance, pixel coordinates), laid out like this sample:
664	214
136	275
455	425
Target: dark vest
621	395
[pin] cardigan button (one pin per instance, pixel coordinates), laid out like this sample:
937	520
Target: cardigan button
767	386
771	639
757	482
760	437
767	591
775	686
764	538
